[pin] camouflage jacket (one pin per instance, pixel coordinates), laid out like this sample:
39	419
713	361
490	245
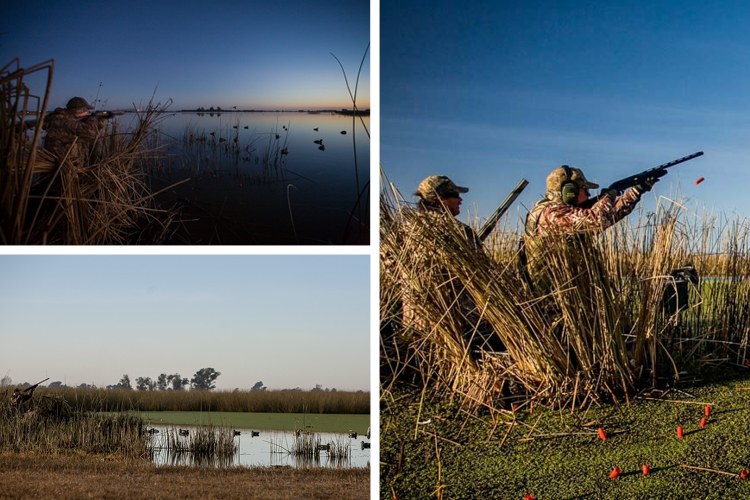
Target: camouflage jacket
62	129
553	216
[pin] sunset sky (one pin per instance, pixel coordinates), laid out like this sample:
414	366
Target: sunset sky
288	321
253	55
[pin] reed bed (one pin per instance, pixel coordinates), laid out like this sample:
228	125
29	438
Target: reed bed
589	325
308	449
53	427
207	441
50	200
283	401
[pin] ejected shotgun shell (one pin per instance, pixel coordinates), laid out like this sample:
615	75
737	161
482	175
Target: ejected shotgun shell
744	474
602	435
699	181
615	472
679	431
529	497
703	422
646	469
708	410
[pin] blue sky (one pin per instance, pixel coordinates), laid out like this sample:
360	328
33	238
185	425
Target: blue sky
288	321
511	90
254	55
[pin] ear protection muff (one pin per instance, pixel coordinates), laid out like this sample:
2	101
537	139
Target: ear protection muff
569	189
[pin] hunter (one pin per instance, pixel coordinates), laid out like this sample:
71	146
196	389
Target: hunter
430	238
560	211
71	129
20	397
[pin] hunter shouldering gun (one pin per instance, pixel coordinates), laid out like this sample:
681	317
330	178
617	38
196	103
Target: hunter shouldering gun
651	174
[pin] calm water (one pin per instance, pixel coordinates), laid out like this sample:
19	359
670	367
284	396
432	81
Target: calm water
309	196
269	448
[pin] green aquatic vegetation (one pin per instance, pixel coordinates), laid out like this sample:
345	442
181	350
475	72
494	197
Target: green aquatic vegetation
558	454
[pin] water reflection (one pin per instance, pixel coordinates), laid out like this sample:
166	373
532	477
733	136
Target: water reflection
264	449
242	168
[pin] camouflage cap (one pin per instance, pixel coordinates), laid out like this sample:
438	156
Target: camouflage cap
79	102
438	185
558	177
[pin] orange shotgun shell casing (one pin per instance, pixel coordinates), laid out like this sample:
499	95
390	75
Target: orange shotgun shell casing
602	435
679	431
744	474
699	181
529	497
615	472
703	422
708	410
646	469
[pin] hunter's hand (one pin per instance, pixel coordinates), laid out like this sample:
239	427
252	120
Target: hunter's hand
646	185
612	194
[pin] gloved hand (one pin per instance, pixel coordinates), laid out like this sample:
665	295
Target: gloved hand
646	185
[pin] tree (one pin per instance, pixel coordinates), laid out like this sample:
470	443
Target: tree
178	383
124	383
57	383
144	384
318	387
161	382
204	379
6	381
258	387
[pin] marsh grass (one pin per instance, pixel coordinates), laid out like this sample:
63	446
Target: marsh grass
203	442
589	327
52	426
284	401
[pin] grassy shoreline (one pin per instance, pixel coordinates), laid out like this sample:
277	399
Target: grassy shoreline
558	454
28	476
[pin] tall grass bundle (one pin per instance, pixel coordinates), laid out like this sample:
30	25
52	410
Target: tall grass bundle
590	323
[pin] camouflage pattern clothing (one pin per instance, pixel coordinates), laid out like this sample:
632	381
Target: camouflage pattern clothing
63	128
551	215
19	397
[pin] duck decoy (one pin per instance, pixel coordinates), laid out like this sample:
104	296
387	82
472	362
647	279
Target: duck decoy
365	445
319	141
322	147
343	132
324	447
153	431
254	433
236	433
184	432
315	129
246	126
352	435
285	151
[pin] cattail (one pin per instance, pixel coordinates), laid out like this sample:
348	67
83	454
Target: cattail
679	431
602	435
615	472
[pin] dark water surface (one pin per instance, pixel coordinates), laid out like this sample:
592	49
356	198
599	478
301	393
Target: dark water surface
241	189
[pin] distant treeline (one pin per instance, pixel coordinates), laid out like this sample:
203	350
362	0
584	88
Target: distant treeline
283	401
360	112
